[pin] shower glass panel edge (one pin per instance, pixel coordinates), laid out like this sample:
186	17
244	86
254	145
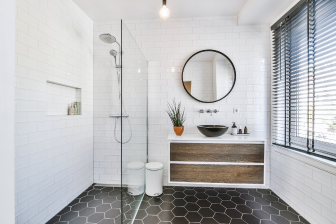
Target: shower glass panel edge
134	124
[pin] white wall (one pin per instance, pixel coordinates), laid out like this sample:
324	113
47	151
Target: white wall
7	65
53	153
307	184
167	45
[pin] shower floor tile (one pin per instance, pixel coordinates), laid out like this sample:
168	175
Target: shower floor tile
99	205
198	205
179	205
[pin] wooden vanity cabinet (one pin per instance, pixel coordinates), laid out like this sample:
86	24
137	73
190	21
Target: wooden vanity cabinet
232	160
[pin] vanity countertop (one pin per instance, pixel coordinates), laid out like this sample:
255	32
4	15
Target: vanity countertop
224	138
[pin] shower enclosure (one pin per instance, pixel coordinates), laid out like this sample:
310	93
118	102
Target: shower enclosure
133	124
126	115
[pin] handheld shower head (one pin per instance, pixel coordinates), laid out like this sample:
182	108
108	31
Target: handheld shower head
114	54
108	38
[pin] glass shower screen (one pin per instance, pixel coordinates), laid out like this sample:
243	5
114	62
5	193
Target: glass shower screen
134	124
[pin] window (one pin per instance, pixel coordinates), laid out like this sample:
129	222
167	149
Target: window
304	79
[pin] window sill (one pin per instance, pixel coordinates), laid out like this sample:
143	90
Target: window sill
327	165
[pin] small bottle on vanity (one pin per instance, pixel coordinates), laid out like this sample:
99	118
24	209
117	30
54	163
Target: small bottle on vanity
234	128
245	130
240	130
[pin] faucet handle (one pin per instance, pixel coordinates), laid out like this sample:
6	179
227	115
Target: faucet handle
216	111
201	111
208	111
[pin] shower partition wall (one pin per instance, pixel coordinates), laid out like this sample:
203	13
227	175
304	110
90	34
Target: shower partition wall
134	124
127	93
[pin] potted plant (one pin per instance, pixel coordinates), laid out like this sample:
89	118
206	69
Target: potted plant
177	117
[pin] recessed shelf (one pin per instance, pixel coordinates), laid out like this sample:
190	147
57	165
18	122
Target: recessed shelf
60	97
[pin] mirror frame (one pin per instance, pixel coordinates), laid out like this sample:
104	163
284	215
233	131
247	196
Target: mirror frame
234	70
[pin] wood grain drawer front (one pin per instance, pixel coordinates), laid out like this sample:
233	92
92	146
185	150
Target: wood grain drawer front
206	152
237	174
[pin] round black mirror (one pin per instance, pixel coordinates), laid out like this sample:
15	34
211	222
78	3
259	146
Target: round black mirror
208	76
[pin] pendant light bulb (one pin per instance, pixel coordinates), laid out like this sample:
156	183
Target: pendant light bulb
164	12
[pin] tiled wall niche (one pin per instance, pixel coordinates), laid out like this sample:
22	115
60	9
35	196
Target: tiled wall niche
61	97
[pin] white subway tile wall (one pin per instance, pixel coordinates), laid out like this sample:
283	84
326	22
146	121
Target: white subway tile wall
167	45
309	186
53	153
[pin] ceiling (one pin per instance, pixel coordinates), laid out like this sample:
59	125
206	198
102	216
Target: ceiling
107	10
248	11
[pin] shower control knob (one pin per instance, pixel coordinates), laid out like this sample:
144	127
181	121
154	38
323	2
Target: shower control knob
201	111
208	111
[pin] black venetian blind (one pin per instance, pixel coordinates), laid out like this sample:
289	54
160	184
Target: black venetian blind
304	79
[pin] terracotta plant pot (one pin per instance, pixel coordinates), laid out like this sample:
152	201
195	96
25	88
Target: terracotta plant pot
179	130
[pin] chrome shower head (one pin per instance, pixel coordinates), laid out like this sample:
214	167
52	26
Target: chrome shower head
113	53
107	38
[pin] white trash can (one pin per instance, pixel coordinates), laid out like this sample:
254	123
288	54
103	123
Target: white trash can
154	172
136	178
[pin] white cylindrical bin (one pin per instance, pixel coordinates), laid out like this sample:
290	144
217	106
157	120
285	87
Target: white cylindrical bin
136	178
154	171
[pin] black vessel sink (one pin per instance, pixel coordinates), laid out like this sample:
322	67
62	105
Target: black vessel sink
212	130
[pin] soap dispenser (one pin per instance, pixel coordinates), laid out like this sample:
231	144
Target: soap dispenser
234	128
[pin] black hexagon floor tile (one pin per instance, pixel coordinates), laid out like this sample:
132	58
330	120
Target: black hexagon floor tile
191	199
191	207
204	203
206	212
178	205
87	212
179	220
168	206
153	210
166	216
179	202
214	200
190	192
168	191
261	214
113	213
221	190
233	213
79	206
217	208
208	221
179	211
222	218
150	219
244	209
69	216
246	197
251	219
193	217
270	210
199	189
179	194
228	204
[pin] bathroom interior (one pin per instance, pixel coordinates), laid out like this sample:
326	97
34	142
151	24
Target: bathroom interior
170	112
